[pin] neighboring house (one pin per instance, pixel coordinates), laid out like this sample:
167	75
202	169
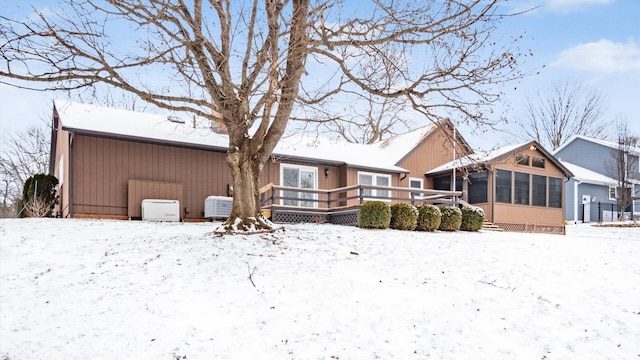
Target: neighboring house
109	160
519	187
596	187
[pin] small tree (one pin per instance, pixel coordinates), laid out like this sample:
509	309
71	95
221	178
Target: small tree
624	167
39	196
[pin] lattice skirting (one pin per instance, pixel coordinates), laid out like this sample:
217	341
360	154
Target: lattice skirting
344	217
532	228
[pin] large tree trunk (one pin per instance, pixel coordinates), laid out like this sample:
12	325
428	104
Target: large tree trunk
246	214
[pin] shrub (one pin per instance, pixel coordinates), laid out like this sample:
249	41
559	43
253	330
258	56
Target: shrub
429	218
472	218
451	218
38	196
374	215
403	217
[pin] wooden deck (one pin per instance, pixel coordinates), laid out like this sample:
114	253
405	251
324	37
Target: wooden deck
341	205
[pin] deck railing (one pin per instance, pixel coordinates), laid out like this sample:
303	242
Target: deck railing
275	195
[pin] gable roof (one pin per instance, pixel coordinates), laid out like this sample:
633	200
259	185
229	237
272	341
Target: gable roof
135	126
496	155
588	176
403	145
613	145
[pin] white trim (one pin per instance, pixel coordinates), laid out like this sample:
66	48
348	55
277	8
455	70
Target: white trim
374	177
312	169
421	181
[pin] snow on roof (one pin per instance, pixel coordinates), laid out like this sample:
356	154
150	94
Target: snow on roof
477	158
634	149
135	125
588	176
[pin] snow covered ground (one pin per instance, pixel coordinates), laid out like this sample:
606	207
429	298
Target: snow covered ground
93	289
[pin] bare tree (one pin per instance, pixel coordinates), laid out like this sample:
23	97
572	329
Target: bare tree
624	167
241	63
562	110
23	154
364	121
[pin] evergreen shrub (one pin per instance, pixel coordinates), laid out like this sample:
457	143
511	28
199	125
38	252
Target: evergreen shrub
39	196
451	218
403	217
472	218
374	215
429	218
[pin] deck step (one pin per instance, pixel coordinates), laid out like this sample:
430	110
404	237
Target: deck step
489	226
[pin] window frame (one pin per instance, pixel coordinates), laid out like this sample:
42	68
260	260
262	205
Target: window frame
517	191
541	160
550	193
417	195
544	196
497	186
300	201
374	192
521	157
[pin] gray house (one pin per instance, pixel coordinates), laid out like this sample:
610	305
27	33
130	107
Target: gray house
591	195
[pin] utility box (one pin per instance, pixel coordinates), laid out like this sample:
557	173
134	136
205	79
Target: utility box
217	207
160	210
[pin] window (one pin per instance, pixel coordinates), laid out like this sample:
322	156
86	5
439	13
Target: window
538	190
537	162
555	192
444	183
478	187
521	188
613	194
503	186
365	178
522	159
416	183
300	177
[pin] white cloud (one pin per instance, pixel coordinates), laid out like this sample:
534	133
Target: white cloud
570	5
603	56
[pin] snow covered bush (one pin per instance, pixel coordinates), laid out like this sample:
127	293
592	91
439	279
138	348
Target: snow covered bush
451	218
374	215
403	217
428	218
472	218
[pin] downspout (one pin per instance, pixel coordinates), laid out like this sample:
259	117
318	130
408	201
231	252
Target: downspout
575	200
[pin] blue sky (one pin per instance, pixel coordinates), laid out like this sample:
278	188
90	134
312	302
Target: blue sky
594	42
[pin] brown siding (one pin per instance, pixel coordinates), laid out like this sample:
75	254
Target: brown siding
436	149
139	190
103	167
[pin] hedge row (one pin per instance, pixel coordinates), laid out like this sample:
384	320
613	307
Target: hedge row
379	215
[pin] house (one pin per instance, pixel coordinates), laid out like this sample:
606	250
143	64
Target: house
108	160
592	194
519	187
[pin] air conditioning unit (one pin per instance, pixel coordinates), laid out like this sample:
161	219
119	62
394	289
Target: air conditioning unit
217	207
160	210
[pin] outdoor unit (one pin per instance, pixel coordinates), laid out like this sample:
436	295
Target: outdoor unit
160	210
217	207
